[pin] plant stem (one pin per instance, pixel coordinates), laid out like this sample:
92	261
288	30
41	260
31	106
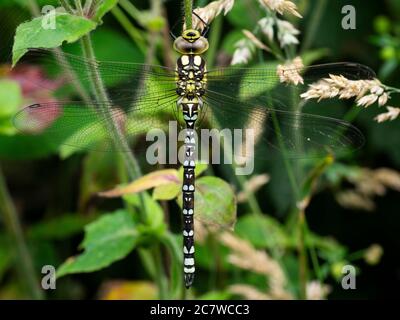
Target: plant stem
312	29
251	198
59	54
78	6
102	96
33	7
25	264
88	6
160	277
303	268
131	9
214	38
188	8
66	6
286	162
176	271
133	32
314	256
121	144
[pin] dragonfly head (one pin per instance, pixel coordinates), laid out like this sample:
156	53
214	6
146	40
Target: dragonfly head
191	42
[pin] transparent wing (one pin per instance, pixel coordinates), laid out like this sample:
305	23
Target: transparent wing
253	101
257	130
73	75
81	126
264	80
139	98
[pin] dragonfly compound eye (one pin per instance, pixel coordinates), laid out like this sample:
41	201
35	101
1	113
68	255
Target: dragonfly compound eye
187	46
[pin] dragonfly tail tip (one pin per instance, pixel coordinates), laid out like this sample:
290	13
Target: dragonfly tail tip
189	280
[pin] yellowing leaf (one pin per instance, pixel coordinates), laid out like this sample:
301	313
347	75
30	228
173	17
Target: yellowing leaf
166	192
149	181
214	202
199	170
128	290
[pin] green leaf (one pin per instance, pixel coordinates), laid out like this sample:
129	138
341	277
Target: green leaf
262	231
103	8
108	239
148	181
198	170
167	192
10	101
10	97
32	34
215	202
328	248
339	171
155	214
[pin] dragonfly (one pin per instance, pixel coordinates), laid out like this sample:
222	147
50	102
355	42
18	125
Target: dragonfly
140	97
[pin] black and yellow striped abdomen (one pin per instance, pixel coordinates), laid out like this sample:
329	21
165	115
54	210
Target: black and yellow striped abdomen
191	83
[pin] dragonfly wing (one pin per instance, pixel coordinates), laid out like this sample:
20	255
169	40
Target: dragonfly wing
91	126
137	95
257	100
257	130
73	76
263	82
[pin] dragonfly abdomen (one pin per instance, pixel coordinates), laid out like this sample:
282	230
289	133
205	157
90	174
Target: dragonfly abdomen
190	109
190	87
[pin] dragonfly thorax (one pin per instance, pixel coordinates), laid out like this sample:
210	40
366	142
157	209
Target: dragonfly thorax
191	79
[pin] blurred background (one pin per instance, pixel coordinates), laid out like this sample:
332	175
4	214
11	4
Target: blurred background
353	217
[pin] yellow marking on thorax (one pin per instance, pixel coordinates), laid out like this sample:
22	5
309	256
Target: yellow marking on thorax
197	60
185	60
185	100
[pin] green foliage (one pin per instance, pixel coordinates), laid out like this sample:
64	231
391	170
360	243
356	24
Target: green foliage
104	7
215	202
10	97
10	100
167	192
386	38
149	223
154	225
107	240
69	28
254	228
